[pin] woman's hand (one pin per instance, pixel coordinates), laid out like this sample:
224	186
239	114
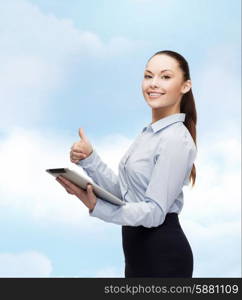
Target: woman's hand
87	197
81	149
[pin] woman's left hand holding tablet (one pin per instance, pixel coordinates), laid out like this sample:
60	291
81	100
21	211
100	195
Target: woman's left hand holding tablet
87	197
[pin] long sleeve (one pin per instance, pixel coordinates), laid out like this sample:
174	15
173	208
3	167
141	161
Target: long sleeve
101	173
143	213
172	165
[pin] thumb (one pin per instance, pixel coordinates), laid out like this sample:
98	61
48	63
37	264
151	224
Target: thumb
82	134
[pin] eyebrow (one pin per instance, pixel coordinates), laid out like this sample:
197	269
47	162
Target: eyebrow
160	72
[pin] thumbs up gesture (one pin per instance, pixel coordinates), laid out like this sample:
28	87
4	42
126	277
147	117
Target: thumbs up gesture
80	149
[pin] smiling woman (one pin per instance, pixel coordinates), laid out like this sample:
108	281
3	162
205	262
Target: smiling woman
151	176
170	85
166	83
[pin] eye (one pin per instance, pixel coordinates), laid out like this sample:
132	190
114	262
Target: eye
167	77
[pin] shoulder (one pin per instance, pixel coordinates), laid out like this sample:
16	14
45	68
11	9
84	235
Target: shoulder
177	137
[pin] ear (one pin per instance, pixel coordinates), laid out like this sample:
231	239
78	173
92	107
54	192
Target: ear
186	86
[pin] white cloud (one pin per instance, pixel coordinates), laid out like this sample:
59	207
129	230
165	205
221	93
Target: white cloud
39	53
218	89
26	186
211	212
109	272
25	264
36	33
216	246
211	216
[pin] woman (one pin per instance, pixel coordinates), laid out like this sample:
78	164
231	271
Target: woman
152	174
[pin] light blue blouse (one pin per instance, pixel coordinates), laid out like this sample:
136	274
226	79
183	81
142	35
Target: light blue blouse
151	175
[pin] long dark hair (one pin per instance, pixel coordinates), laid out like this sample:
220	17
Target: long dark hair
187	104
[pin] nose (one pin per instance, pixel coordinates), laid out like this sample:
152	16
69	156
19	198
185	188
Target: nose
154	82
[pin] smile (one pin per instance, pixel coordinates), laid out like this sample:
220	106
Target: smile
155	95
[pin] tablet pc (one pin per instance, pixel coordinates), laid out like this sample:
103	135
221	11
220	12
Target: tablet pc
82	182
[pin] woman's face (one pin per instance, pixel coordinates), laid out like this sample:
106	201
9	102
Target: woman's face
163	85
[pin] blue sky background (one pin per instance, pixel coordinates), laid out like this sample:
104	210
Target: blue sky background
71	64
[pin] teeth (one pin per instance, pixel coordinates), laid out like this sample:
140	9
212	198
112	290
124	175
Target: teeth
155	94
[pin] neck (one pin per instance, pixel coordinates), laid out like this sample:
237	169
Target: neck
160	113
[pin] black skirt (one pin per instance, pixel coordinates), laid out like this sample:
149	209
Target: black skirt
161	251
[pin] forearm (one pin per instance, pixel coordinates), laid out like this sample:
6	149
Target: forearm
147	214
101	173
